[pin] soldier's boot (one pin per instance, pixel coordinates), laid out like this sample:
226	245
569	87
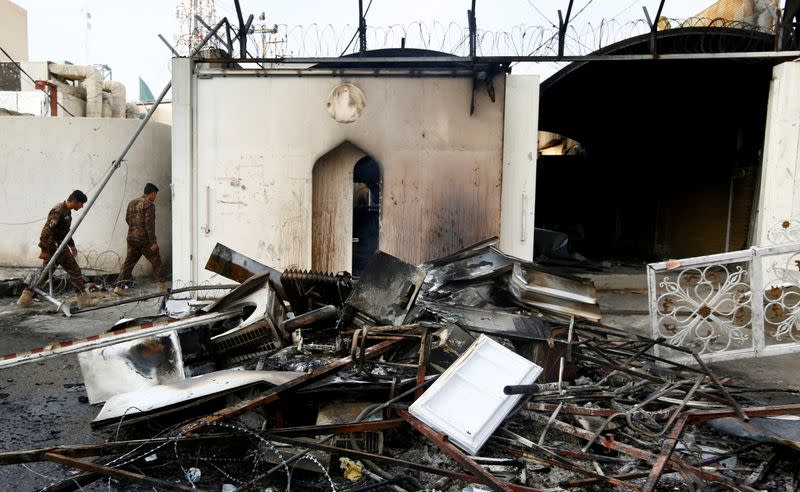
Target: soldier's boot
162	287
118	290
85	300
26	299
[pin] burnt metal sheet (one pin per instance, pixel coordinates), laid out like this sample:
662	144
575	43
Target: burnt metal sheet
493	322
559	295
238	267
234	265
248	287
130	366
564	287
117	335
386	290
783	430
486	263
470	250
148	400
475	294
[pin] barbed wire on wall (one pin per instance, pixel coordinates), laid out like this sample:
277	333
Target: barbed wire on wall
327	40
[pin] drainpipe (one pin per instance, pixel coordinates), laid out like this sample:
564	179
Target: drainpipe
118	95
90	79
114	166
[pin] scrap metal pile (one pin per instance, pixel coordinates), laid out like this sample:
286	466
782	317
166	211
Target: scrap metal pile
474	371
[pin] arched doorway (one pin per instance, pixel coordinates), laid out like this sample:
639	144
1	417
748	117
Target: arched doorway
345	222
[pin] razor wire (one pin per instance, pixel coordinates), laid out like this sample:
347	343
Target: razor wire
327	40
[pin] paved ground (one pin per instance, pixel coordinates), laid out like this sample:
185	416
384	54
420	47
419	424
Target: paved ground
43	403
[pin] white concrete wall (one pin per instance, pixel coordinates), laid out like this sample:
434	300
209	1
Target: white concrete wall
779	197
244	148
37	71
43	159
14	30
162	114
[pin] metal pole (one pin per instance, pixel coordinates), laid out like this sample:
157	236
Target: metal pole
174	52
114	166
60	306
362	28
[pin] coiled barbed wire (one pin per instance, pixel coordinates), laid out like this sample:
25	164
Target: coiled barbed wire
327	40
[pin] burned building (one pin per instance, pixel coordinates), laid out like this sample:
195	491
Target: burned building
317	166
674	160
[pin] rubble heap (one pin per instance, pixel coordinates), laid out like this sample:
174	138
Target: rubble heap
477	368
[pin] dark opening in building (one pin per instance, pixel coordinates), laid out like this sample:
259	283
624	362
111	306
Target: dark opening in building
670	151
366	211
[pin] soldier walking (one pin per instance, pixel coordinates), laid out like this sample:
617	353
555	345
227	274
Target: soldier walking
55	229
141	219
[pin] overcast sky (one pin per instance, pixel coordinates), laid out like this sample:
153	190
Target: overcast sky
123	33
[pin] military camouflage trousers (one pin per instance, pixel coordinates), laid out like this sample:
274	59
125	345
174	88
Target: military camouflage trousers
68	263
136	251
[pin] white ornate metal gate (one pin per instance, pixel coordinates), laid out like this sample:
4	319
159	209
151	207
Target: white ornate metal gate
729	305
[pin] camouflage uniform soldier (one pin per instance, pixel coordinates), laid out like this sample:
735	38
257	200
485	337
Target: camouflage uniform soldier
55	229
141	219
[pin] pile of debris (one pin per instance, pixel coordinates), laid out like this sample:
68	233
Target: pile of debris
470	372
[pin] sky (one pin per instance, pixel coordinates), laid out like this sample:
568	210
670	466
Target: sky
124	33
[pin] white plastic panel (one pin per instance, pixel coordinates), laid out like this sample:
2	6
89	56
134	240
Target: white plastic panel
467	402
183	391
